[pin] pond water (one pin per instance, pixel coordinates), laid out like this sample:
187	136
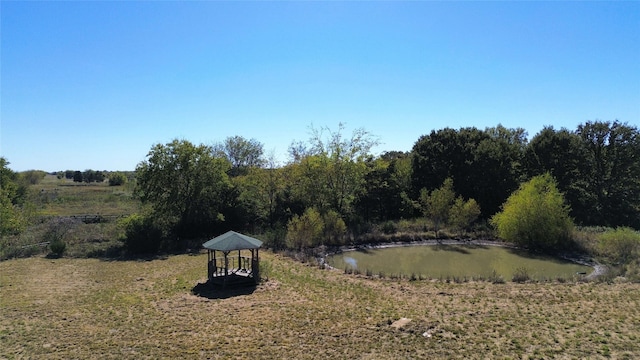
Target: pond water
442	261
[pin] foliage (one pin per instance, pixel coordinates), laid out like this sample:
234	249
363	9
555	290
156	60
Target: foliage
77	176
143	234
535	216
437	204
486	164
305	230
463	213
611	174
241	153
32	177
330	172
117	179
521	275
387	184
12	197
56	232
620	246
334	228
186	186
597	168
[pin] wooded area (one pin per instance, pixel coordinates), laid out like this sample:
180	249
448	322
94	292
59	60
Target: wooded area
333	188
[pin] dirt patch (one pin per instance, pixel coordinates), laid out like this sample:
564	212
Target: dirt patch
400	323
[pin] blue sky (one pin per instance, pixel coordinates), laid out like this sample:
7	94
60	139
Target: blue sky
93	85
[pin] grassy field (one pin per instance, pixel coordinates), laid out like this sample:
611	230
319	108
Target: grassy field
63	197
91	308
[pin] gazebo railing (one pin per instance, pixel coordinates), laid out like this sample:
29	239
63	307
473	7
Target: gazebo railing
237	264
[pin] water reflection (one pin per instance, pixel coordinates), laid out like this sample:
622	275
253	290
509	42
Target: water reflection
350	261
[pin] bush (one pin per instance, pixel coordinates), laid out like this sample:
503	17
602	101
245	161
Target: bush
304	231
535	216
389	227
57	248
142	235
521	275
620	246
117	179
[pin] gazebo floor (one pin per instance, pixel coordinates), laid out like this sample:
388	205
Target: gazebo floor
233	279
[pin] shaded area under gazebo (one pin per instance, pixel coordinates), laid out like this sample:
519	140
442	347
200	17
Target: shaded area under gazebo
225	266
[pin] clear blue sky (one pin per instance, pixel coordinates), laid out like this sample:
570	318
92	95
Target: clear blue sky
93	85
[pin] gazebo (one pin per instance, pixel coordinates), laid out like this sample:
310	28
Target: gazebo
225	267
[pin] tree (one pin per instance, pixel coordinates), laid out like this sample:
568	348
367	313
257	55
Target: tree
305	230
437	204
32	177
463	213
186	185
12	195
117	179
333	229
562	154
387	184
485	163
611	194
535	216
77	176
332	169
241	153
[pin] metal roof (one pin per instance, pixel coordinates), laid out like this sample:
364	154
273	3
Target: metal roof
232	240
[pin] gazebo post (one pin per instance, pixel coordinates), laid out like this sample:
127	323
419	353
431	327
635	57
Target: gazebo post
255	266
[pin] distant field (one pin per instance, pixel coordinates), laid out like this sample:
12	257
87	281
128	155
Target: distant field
89	308
63	197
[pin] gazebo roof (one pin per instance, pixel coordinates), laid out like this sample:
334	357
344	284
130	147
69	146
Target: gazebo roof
232	240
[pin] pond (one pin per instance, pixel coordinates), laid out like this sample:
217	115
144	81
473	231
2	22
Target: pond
443	261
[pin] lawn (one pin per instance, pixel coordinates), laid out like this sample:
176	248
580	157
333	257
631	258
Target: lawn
91	308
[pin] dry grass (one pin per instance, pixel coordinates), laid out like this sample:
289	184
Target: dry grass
63	197
88	308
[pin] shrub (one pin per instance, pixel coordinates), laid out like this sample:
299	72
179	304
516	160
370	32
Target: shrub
389	227
142	235
535	216
57	247
304	231
117	179
521	275
56	232
620	246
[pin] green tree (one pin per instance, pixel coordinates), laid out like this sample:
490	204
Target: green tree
562	154
485	163
77	176
437	204
186	185
463	213
32	177
535	216
387	184
117	179
12	196
334	228
305	230
332	169
611	194
241	153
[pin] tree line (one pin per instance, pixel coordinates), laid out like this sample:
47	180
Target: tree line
333	188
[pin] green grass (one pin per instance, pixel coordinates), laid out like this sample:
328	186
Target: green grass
63	197
88	308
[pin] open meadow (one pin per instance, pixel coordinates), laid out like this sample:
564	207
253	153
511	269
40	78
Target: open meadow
90	308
